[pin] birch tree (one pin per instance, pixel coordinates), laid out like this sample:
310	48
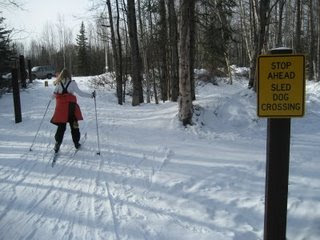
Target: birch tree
225	35
155	92
48	38
145	52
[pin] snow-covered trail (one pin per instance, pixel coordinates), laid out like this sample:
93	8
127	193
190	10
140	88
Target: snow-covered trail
153	179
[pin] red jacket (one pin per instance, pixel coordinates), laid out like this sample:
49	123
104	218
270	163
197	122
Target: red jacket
67	109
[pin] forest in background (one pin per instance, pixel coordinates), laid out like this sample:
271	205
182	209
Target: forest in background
157	41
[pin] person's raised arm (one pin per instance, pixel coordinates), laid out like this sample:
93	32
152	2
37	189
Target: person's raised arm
81	93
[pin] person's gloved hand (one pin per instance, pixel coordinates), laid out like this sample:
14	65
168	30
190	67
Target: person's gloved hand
93	94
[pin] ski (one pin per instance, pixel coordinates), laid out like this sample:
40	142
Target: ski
56	154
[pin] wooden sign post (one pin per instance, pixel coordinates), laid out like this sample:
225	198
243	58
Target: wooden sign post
22	68
281	93
16	96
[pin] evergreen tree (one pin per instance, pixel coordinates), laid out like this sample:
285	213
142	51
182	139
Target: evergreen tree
82	44
215	22
5	48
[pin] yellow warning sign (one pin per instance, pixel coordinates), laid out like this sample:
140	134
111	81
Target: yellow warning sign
281	85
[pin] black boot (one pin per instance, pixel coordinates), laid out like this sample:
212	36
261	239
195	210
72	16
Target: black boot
77	145
56	147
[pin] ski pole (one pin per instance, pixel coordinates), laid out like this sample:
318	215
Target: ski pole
95	108
40	125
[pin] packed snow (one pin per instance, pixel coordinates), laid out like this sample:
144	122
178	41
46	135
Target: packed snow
154	179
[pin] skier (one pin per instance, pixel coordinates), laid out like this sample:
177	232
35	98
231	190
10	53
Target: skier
67	110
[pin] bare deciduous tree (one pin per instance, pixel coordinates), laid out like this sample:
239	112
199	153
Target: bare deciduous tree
173	51
297	42
185	60
6	4
318	58
280	20
117	50
145	52
311	42
163	51
137	95
260	39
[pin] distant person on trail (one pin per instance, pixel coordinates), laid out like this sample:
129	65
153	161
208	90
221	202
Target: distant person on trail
67	110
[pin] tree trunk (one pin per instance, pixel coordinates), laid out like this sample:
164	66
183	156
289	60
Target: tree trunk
264	9
115	54
224	24
185	98
192	47
126	68
174	66
246	31
312	42
280	20
318	79
137	95
163	51
254	39
155	92
264	21
297	44
119	64
145	50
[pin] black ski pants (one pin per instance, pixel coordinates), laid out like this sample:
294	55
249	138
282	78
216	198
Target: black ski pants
75	132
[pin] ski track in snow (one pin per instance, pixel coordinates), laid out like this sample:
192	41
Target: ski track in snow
154	179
